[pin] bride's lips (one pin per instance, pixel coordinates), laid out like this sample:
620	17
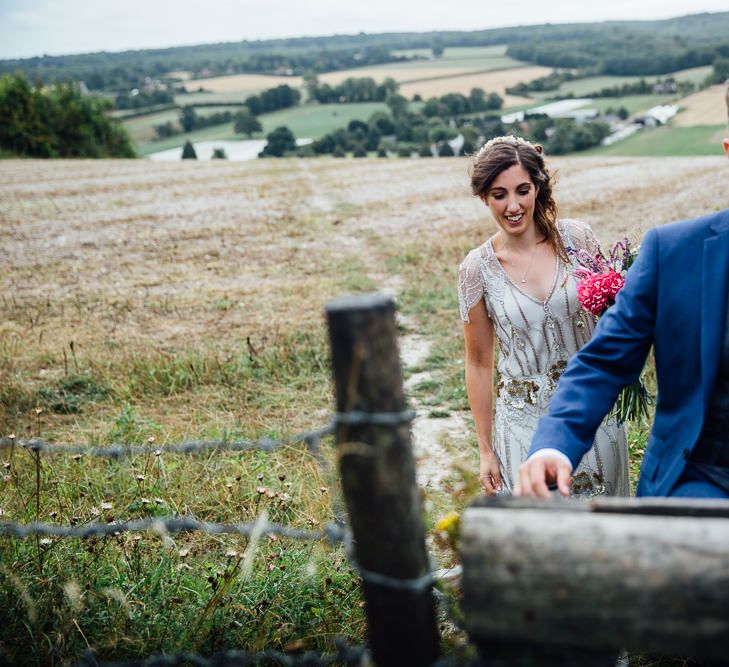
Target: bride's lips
516	222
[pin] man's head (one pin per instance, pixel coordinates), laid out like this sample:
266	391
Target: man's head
725	143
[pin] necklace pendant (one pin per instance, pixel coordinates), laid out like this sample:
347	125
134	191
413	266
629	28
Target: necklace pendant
523	280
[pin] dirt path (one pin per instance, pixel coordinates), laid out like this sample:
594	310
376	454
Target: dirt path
434	463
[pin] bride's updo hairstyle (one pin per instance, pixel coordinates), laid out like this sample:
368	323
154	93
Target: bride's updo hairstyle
501	153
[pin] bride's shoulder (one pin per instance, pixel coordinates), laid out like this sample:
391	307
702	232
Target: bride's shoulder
576	233
476	255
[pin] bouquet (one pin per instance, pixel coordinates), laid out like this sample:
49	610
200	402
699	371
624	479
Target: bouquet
600	279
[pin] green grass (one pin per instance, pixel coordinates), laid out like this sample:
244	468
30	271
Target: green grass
315	120
457	52
222	132
215	98
583	87
466	63
305	121
141	129
633	103
668	141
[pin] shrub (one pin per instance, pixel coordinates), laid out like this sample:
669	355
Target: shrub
188	151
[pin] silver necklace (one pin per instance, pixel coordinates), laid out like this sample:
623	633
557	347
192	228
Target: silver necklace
529	266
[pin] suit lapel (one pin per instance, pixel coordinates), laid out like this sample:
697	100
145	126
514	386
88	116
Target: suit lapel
714	275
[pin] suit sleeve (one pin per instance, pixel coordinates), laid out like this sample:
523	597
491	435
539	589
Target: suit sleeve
611	360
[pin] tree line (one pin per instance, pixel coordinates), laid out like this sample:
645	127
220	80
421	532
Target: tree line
618	47
58	121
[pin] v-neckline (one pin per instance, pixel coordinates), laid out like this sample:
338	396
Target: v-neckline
555	280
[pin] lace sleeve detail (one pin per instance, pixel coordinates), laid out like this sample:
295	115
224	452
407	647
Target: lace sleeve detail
470	284
580	236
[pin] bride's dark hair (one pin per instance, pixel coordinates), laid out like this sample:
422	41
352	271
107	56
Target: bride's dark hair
500	154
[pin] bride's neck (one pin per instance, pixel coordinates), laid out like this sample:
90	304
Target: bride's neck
521	244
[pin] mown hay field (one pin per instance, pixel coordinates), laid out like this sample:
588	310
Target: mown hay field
492	82
706	107
241	83
159	302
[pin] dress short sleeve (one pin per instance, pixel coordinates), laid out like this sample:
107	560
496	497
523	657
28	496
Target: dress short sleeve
470	283
581	237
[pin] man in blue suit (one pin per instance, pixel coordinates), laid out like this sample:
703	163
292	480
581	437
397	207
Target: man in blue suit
675	298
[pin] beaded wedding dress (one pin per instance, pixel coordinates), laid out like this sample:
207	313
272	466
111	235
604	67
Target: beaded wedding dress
535	340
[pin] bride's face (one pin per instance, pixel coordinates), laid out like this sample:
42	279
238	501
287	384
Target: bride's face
511	200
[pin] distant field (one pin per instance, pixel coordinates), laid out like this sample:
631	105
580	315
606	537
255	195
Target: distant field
669	141
141	128
214	98
307	121
313	121
456	52
496	82
583	87
703	108
424	69
633	103
236	83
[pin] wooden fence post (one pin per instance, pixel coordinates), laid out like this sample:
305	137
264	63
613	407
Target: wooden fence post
377	470
572	583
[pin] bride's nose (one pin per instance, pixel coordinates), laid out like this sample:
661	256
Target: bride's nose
512	204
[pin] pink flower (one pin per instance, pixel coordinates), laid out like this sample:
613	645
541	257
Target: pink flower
597	291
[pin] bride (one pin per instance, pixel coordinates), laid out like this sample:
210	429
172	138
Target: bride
517	289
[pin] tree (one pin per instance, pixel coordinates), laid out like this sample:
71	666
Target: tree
188	119
397	104
445	150
382	122
188	151
58	121
359	151
355	125
244	122
278	143
219	154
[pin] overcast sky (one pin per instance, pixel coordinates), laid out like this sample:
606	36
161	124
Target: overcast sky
36	27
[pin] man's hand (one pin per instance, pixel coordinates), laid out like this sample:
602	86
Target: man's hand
536	475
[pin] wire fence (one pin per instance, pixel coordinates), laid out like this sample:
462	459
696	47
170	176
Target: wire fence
311	439
333	533
346	654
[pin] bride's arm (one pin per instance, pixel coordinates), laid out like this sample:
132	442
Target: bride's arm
479	338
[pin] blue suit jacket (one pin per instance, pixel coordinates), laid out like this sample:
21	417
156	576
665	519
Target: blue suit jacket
674	298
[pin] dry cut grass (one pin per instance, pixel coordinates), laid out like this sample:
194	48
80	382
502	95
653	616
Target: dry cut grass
492	82
706	107
242	83
184	300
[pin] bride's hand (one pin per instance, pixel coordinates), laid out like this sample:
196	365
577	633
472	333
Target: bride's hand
489	473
